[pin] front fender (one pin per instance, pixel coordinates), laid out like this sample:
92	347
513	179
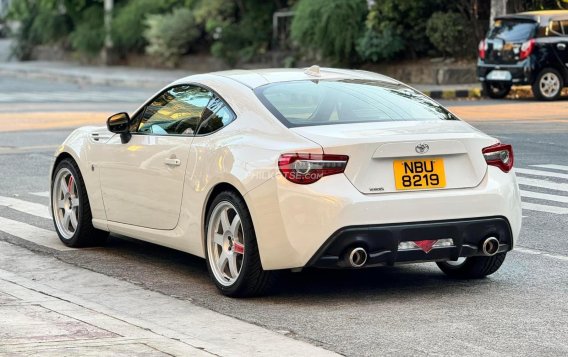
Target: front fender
78	146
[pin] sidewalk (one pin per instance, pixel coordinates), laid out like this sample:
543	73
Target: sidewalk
117	76
51	308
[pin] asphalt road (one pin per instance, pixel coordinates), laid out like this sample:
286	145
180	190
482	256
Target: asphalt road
408	310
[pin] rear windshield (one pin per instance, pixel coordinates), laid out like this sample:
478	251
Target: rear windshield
512	30
321	102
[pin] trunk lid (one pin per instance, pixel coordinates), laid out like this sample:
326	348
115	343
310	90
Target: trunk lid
373	149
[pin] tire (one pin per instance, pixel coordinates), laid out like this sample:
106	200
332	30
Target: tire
473	267
548	85
496	90
232	239
78	231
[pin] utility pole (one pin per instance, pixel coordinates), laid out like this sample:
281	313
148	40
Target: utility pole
107	50
498	8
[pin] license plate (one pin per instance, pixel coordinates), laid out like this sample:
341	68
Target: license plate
497	75
416	174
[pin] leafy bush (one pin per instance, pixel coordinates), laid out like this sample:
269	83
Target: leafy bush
239	33
448	33
128	25
40	23
330	27
376	46
89	36
404	22
171	35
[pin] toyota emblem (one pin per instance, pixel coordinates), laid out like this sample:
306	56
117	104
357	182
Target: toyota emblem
422	148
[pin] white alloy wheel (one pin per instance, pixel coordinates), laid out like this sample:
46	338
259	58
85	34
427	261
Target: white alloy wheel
225	243
65	203
549	85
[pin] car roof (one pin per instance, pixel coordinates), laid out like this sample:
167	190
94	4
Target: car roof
541	16
259	77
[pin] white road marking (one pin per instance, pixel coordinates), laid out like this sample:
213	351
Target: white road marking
544	196
544	208
32	234
24	149
32	208
40	194
543	184
540	252
553	167
541	173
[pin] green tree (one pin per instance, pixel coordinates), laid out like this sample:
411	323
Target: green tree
455	42
170	35
404	21
330	27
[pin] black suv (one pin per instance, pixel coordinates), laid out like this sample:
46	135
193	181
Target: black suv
525	48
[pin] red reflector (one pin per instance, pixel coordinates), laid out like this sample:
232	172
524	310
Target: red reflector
425	245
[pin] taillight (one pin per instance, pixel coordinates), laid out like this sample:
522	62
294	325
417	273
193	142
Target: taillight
527	48
309	168
481	49
500	155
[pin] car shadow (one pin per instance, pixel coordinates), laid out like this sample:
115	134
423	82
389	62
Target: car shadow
185	276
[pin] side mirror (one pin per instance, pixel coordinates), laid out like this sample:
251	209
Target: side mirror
120	124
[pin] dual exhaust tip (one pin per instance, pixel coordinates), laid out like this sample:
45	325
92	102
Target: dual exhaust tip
490	246
357	256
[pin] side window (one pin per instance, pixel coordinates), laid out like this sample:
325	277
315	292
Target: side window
555	29
177	111
219	115
564	26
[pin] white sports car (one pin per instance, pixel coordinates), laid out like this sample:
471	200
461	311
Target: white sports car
259	171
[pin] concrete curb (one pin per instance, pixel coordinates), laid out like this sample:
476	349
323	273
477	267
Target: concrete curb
82	79
114	78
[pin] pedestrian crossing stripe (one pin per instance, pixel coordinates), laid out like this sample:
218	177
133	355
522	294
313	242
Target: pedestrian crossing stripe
553	167
35	209
32	234
544	183
541	173
525	181
544	196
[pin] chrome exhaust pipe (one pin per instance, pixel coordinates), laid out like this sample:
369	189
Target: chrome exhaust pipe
490	246
357	257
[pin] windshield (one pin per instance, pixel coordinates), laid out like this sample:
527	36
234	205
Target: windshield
512	30
321	102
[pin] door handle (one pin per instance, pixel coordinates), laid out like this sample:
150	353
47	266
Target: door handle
561	46
172	162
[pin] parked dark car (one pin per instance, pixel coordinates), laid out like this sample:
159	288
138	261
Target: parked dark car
525	48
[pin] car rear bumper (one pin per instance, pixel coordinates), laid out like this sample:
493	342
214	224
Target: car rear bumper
381	242
521	72
293	222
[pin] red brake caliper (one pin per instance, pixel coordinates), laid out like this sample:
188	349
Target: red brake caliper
238	248
70	185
